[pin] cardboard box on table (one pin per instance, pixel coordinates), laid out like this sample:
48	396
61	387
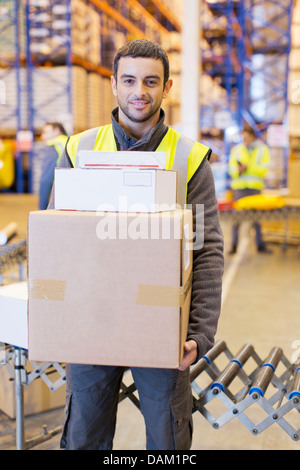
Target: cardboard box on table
14	331
109	288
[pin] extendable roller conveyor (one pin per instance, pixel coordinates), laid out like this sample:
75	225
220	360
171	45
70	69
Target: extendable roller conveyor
283	391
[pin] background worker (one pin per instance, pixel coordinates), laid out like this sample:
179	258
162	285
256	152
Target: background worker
54	137
140	83
248	166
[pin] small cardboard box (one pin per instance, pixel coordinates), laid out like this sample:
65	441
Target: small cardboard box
116	190
109	288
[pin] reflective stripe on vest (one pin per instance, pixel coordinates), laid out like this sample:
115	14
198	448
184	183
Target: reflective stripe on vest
59	144
183	154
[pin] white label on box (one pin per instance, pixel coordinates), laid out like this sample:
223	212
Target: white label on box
137	178
120	159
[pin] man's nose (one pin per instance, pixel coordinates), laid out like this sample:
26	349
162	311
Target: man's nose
140	88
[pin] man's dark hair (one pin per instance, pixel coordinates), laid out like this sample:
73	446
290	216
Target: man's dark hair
142	48
57	125
250	131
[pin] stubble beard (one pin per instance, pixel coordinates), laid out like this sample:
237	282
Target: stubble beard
143	118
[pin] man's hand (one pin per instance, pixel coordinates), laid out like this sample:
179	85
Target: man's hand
190	354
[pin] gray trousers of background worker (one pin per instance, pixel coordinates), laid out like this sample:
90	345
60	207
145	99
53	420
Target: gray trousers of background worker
92	398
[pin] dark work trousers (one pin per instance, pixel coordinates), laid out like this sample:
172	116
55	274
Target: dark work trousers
91	406
238	194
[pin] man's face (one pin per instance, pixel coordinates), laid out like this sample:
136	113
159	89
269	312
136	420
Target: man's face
49	132
248	138
139	89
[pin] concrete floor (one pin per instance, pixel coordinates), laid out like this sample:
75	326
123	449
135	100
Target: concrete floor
261	298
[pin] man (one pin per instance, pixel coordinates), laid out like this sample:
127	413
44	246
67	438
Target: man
55	137
140	82
248	166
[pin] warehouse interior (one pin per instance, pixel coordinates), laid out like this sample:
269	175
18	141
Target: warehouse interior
235	64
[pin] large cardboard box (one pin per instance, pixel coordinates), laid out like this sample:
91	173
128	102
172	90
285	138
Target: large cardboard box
109	288
115	189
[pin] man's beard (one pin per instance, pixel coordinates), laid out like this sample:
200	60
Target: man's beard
143	118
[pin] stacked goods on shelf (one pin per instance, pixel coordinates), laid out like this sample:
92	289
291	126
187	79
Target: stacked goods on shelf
294	81
271	23
79	28
100	100
49	95
9	108
8	31
52	33
42	42
112	39
93	36
95	100
86	32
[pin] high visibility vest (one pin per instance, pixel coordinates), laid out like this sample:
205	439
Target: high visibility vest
257	160
59	144
182	154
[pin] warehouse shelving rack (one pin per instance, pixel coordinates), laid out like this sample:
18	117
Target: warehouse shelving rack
133	19
268	33
245	31
10	65
222	61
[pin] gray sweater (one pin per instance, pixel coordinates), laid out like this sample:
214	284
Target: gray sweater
208	261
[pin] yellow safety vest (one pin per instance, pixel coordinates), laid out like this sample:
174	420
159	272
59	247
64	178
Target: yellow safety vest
59	144
257	160
182	154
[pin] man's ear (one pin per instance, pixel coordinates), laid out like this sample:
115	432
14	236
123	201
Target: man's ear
167	88
113	85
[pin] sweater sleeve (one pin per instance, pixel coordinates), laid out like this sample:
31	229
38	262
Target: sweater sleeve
208	261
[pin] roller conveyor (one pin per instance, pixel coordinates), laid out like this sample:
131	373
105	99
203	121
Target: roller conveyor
278	396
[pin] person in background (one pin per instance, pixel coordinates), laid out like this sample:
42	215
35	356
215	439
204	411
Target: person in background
54	137
141	82
248	166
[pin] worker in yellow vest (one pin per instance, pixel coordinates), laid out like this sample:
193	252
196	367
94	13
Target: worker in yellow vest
248	166
54	137
141	82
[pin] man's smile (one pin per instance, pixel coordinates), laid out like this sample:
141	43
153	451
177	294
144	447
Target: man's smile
139	104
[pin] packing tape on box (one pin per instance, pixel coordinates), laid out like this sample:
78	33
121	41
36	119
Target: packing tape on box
46	289
164	296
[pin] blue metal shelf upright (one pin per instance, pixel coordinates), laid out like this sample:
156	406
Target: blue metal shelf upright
221	61
253	40
268	31
40	63
10	69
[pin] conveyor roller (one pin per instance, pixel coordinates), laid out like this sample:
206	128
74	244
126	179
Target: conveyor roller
233	368
295	388
266	372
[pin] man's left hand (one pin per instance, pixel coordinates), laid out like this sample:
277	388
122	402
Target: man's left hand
190	354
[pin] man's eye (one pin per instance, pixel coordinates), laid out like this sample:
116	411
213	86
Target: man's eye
128	81
151	82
